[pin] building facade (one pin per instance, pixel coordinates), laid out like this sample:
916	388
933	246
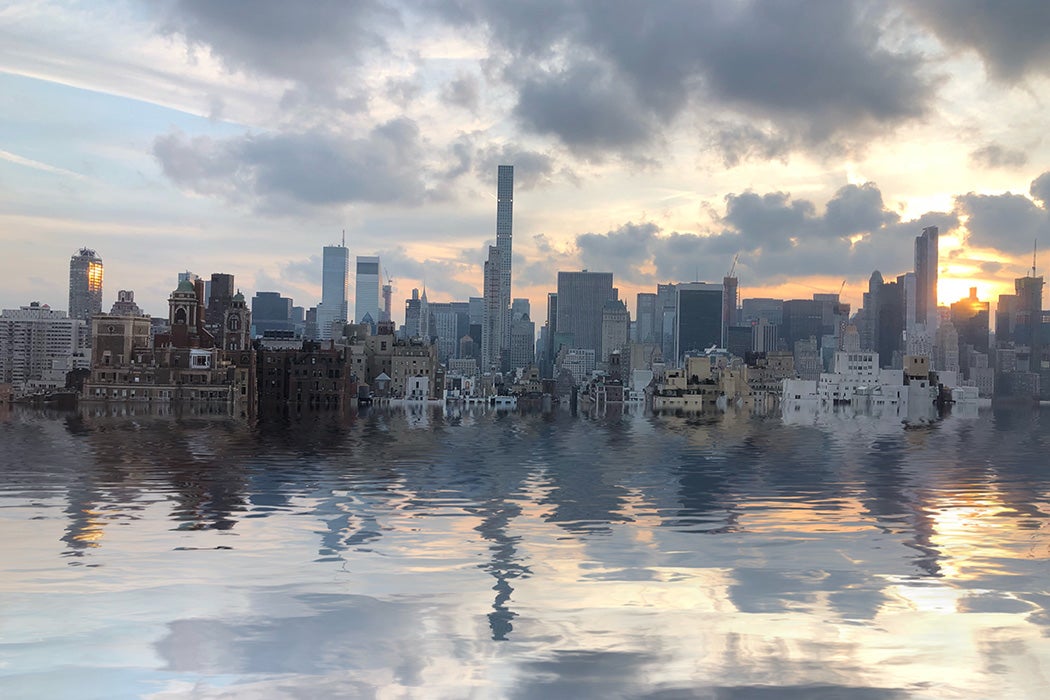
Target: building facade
85	284
366	290
335	270
39	347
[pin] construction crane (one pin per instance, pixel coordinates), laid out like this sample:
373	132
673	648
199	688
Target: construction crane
841	287
732	268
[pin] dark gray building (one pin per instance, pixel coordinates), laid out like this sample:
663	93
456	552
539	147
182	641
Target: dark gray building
271	312
698	318
581	298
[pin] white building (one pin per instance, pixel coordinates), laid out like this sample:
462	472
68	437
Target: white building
39	346
579	362
335	270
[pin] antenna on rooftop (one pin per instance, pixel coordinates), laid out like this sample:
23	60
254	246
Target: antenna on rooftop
344	237
1035	247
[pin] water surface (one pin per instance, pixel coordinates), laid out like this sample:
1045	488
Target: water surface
410	553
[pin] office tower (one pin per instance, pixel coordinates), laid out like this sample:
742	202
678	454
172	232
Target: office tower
335	271
729	287
764	336
186	276
581	299
504	225
39	346
645	318
946	347
616	323
412	315
494	313
772	310
519	308
970	318
698	318
219	297
366	290
926	262
522	343
548	335
666	301
451	323
271	312
85	284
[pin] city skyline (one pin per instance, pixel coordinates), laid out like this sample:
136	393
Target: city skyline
164	135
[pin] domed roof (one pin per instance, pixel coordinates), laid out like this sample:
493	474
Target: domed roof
186	286
238	296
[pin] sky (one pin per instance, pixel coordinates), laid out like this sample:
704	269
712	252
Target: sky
810	141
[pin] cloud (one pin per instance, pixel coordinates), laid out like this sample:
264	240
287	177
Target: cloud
587	108
607	77
994	155
1007	222
777	237
318	44
1011	38
1040	189
463	92
293	170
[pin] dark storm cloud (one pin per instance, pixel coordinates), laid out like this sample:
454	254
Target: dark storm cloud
1007	222
815	71
776	236
312	43
586	107
294	169
1040	189
993	155
1011	38
473	153
623	250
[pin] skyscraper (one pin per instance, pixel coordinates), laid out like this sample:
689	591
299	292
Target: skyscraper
366	289
504	225
85	284
219	296
729	287
698	318
335	269
494	313
581	299
496	324
926	263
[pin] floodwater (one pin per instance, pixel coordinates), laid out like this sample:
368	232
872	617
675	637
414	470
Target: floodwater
485	554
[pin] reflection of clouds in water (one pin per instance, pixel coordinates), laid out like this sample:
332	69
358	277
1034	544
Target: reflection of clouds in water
662	556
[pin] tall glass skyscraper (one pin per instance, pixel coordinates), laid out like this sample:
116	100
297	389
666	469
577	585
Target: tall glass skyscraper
926	263
85	284
335	272
495	335
366	289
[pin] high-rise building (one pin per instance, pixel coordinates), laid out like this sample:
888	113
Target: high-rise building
970	318
504	226
729	287
85	284
412	328
519	308
494	313
271	312
39	346
335	270
666	302
219	297
615	324
698	318
581	299
926	263
388	301
366	290
522	343
645	319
